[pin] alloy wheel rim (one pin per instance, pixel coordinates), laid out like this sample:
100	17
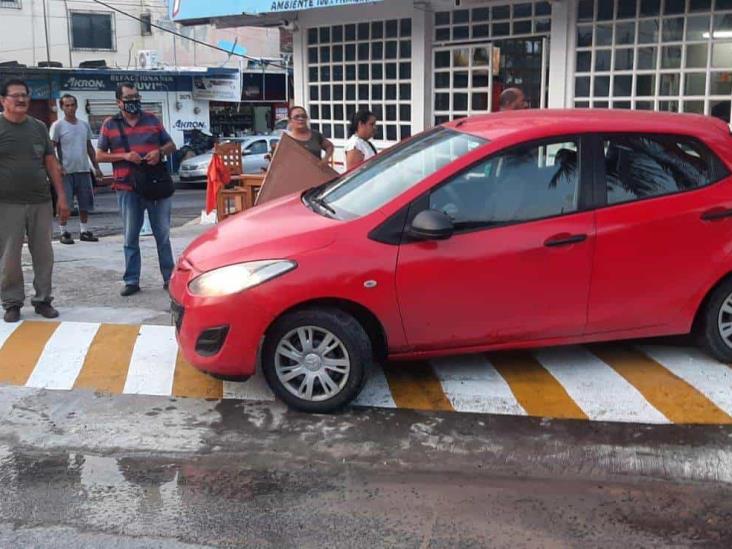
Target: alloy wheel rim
724	321
312	363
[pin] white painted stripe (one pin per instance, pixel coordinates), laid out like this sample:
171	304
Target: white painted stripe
376	392
602	393
711	378
6	330
472	384
254	388
63	356
153	362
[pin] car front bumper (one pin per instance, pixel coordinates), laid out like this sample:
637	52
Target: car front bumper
221	335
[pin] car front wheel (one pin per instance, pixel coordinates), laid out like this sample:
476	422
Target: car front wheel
316	360
716	333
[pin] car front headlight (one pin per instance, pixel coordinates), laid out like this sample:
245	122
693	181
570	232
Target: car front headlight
236	278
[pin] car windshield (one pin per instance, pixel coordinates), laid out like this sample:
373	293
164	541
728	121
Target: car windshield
387	176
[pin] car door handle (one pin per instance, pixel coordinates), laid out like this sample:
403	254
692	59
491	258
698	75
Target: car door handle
716	214
564	240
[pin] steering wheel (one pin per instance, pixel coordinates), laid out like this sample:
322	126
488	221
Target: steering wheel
452	203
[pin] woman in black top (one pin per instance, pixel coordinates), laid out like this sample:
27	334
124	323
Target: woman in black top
311	139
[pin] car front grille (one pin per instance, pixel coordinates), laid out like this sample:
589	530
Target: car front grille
176	312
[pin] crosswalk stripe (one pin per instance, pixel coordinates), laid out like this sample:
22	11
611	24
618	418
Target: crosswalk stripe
599	390
152	365
538	392
472	384
63	357
711	378
414	385
376	392
6	330
189	382
254	388
108	358
671	395
21	350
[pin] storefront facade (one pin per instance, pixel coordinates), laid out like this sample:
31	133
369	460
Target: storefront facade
418	63
180	99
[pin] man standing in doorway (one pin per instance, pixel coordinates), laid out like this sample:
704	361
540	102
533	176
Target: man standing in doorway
26	162
148	142
513	99
72	138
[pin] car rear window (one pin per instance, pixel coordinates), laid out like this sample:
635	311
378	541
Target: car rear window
639	166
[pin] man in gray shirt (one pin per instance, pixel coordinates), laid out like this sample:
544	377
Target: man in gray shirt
26	162
72	138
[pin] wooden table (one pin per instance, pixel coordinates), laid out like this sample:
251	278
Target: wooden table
239	198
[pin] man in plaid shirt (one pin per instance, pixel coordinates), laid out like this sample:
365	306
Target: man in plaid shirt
149	142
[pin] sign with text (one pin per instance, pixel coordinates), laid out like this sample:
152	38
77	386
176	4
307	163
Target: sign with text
182	10
217	88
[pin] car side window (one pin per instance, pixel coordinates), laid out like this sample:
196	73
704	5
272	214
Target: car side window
258	147
644	166
525	183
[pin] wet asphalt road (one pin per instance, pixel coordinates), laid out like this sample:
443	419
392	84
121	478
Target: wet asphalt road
81	500
81	469
188	201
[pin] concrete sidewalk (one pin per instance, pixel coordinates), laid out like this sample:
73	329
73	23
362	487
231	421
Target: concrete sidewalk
87	279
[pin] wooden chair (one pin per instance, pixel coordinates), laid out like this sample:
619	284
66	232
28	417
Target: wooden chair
246	186
230	154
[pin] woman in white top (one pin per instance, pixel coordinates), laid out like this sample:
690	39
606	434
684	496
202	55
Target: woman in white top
358	146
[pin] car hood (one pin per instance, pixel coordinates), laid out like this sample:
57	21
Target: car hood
280	229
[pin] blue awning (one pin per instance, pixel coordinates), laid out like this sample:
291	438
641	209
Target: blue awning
186	10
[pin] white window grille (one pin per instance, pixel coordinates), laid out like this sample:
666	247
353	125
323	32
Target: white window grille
494	21
361	66
479	52
667	55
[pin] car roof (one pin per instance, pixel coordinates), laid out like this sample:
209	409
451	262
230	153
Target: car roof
536	123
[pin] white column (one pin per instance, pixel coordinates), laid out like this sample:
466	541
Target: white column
421	75
299	66
561	54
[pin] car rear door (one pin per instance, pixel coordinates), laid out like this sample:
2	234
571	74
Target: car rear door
518	266
662	232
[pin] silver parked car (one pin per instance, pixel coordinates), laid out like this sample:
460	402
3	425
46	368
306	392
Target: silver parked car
253	149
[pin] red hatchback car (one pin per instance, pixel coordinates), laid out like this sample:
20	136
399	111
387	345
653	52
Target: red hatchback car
521	229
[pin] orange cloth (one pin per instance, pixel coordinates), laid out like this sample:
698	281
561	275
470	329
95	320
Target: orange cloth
217	176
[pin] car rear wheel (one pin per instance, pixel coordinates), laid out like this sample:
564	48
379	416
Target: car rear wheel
716	333
316	360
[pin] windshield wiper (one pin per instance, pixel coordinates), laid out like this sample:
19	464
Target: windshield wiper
323	204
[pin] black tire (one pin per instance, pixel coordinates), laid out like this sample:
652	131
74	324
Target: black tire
710	336
342	325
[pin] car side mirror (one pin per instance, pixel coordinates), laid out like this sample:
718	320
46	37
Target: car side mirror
431	225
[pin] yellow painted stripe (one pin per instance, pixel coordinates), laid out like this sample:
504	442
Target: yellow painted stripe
189	382
538	392
21	351
414	385
668	393
108	358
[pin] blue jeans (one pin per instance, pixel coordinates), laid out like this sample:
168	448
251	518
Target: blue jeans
132	208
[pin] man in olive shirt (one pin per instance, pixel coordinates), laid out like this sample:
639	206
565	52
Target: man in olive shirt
26	161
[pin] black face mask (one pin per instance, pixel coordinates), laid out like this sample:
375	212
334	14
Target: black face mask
132	107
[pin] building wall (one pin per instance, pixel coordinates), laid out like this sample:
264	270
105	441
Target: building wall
437	29
22	35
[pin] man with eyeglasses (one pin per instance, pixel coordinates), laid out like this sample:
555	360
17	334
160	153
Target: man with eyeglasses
27	160
148	142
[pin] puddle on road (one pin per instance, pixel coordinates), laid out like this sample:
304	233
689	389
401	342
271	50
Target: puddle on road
133	494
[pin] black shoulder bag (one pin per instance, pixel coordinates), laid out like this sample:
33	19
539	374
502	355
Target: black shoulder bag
151	181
